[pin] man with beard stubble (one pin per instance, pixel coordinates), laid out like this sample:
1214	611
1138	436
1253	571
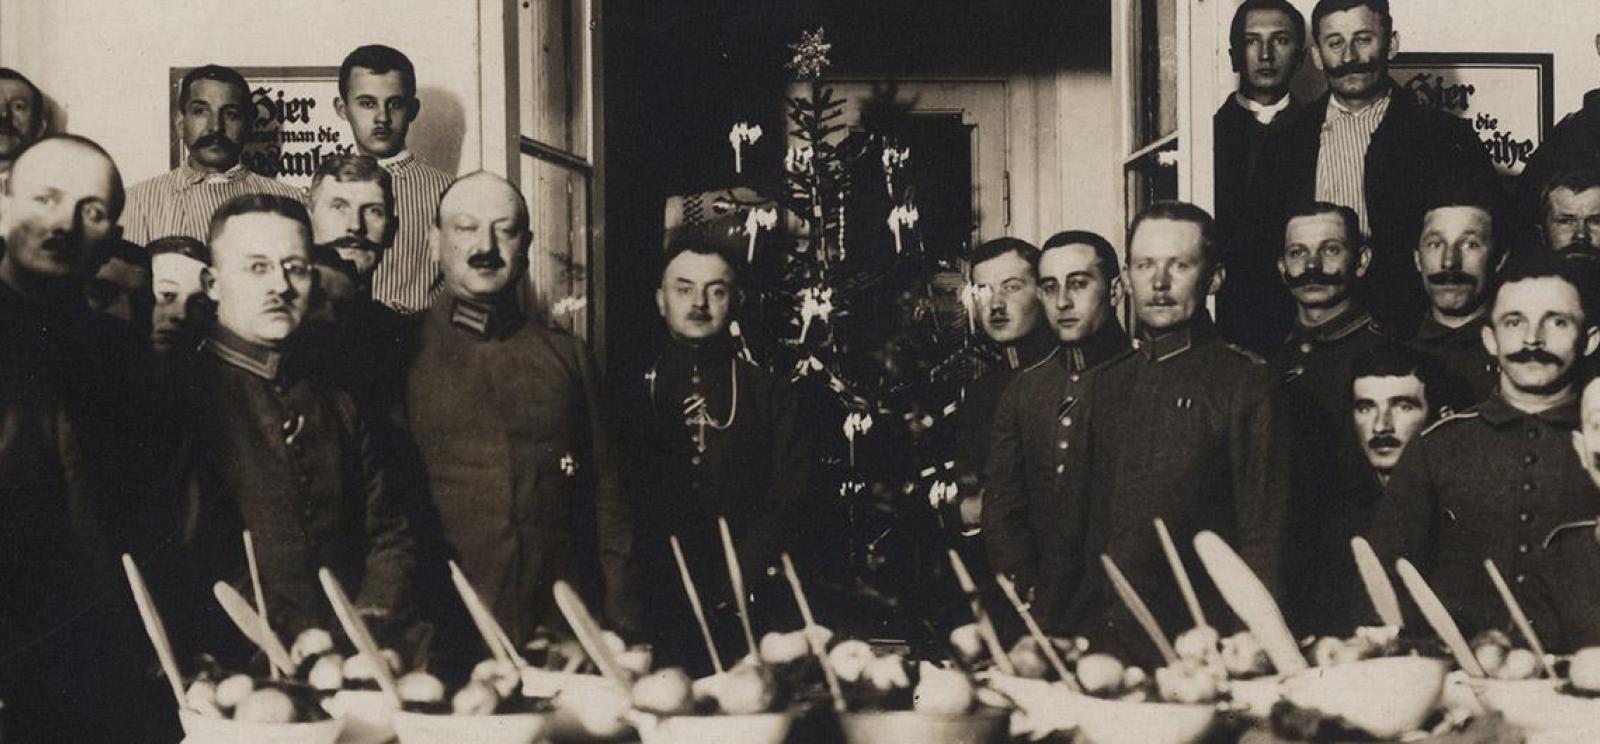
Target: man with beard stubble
1457	255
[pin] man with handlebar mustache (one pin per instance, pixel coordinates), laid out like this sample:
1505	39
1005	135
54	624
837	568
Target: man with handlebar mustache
1368	144
214	117
1459	250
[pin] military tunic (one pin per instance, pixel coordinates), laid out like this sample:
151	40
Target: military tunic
520	464
1470	372
1489	483
981	397
1318	358
1032	522
1189	429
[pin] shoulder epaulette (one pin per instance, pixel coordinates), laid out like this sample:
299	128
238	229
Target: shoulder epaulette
1246	353
1470	413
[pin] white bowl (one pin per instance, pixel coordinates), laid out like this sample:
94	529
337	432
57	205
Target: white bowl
199	729
514	728
1255	697
1384	697
1535	706
986	726
1122	722
759	728
368	716
588	707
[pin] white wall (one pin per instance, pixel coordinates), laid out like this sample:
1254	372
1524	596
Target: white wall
104	63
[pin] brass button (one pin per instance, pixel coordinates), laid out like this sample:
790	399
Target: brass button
1061	445
1530	458
1074	378
1060	469
1066	420
1523	548
1524	516
1305	348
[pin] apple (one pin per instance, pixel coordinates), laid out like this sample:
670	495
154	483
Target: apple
1243	656
1520	663
327	672
782	648
886	673
233	690
361	667
666	692
1198	644
1100	674
311	642
475	699
265	705
202	698
1028	660
967	642
850	658
942	691
746	691
1585	670
1186	684
420	687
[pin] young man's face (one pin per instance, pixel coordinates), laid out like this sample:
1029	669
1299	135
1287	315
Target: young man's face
1077	298
175	283
1388	412
696	296
1320	262
215	122
1353	51
20	119
480	241
1271	53
120	289
1537	333
1572	220
58	212
1167	273
352	217
261	277
1456	256
379	111
1012	311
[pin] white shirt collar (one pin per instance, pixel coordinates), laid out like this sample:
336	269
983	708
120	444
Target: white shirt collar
1263	113
395	159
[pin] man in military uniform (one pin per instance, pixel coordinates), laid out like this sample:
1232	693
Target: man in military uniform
1032	524
719	437
274	449
507	417
1494	481
1188	429
1569	224
1004	273
1457	254
1575	546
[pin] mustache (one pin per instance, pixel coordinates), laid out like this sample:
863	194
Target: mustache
1541	356
699	316
998	314
489	260
1452	277
214	140
1384	440
1354	68
1319	278
357	242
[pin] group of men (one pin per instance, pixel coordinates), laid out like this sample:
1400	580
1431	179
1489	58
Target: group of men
349	374
1399	354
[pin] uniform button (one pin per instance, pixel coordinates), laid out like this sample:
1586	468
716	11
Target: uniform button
1530	458
1523	548
1531	433
1305	348
1060	469
1061	445
695	460
1074	378
1066	420
1522	578
1527	486
1524	516
1137	344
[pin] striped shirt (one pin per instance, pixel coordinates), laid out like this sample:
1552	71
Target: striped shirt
1342	159
181	201
408	278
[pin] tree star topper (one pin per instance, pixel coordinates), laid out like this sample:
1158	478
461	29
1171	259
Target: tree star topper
810	55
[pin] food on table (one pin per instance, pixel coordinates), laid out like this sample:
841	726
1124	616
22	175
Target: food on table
327	672
942	691
311	643
1100	674
968	642
747	689
887	673
241	698
202	698
1500	660
1029	659
266	705
1367	643
1188	682
475	698
783	648
1198	644
231	691
502	675
850	658
1243	656
665	692
420	687
1585	669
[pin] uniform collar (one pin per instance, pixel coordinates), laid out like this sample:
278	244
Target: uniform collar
1172	343
1499	413
1030	349
1432	330
1352	319
718	348
1108	342
249	356
487	320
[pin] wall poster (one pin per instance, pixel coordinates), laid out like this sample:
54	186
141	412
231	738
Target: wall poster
295	127
1508	98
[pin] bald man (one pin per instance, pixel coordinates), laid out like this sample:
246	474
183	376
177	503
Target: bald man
69	657
506	416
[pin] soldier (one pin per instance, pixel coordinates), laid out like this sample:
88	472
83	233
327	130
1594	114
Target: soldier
1493	481
1569	224
23	118
1033	525
1457	255
182	314
1193	433
276	450
1574	545
507	417
721	438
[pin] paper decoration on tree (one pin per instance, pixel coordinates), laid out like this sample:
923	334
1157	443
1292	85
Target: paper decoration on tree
764	218
742	134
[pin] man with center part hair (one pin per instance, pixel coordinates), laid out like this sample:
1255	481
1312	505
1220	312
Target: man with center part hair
1494	481
215	116
274	449
719	437
1033	523
506	414
378	96
1188	429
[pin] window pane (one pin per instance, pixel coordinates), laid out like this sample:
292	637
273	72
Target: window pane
558	269
554	105
1155	53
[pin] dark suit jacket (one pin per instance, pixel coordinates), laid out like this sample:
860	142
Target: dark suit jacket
1253	308
1416	153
